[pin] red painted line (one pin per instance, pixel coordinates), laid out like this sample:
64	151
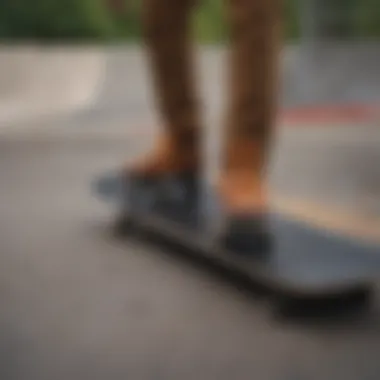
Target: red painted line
313	116
351	113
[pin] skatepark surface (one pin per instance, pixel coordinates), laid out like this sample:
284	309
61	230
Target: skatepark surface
78	303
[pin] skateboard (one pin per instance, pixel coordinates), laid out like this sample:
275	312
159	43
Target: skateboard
302	261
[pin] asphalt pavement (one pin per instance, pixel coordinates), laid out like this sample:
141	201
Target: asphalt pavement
78	303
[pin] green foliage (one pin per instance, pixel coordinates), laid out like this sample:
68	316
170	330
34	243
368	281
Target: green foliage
55	19
209	22
50	20
127	20
367	18
291	10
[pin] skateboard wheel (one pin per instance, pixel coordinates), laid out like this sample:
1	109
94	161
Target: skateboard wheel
358	301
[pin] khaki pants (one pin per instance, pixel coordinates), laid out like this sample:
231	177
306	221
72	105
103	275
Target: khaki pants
254	41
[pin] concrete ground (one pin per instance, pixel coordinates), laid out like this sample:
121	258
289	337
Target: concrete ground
77	303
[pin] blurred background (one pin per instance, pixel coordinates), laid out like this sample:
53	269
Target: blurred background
110	20
75	101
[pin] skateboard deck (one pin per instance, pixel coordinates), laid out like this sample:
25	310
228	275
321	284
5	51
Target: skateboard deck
303	262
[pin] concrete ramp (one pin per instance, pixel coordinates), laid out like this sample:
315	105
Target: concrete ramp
37	81
334	73
104	83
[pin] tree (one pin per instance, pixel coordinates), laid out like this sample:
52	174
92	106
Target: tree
55	19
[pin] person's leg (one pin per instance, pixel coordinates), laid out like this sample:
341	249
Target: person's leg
255	36
167	33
